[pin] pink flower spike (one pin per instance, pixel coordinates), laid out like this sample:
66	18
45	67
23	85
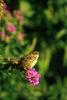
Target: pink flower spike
32	76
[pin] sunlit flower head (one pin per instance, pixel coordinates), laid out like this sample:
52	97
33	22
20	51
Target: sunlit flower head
20	37
18	15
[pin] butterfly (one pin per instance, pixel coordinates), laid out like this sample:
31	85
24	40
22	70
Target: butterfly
29	60
25	62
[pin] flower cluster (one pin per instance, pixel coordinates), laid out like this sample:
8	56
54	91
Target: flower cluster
32	76
11	25
11	31
18	15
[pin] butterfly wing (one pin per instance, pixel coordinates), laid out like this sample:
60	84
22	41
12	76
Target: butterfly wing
29	61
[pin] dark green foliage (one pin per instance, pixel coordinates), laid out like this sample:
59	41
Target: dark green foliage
45	26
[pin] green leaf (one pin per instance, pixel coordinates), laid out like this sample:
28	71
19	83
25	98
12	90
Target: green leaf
60	34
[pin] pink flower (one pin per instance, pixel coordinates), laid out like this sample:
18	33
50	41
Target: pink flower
11	27
18	15
32	76
1	33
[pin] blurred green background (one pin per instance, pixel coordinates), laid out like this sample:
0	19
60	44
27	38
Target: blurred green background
41	26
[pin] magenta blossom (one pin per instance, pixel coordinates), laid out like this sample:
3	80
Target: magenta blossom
32	76
11	27
1	33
